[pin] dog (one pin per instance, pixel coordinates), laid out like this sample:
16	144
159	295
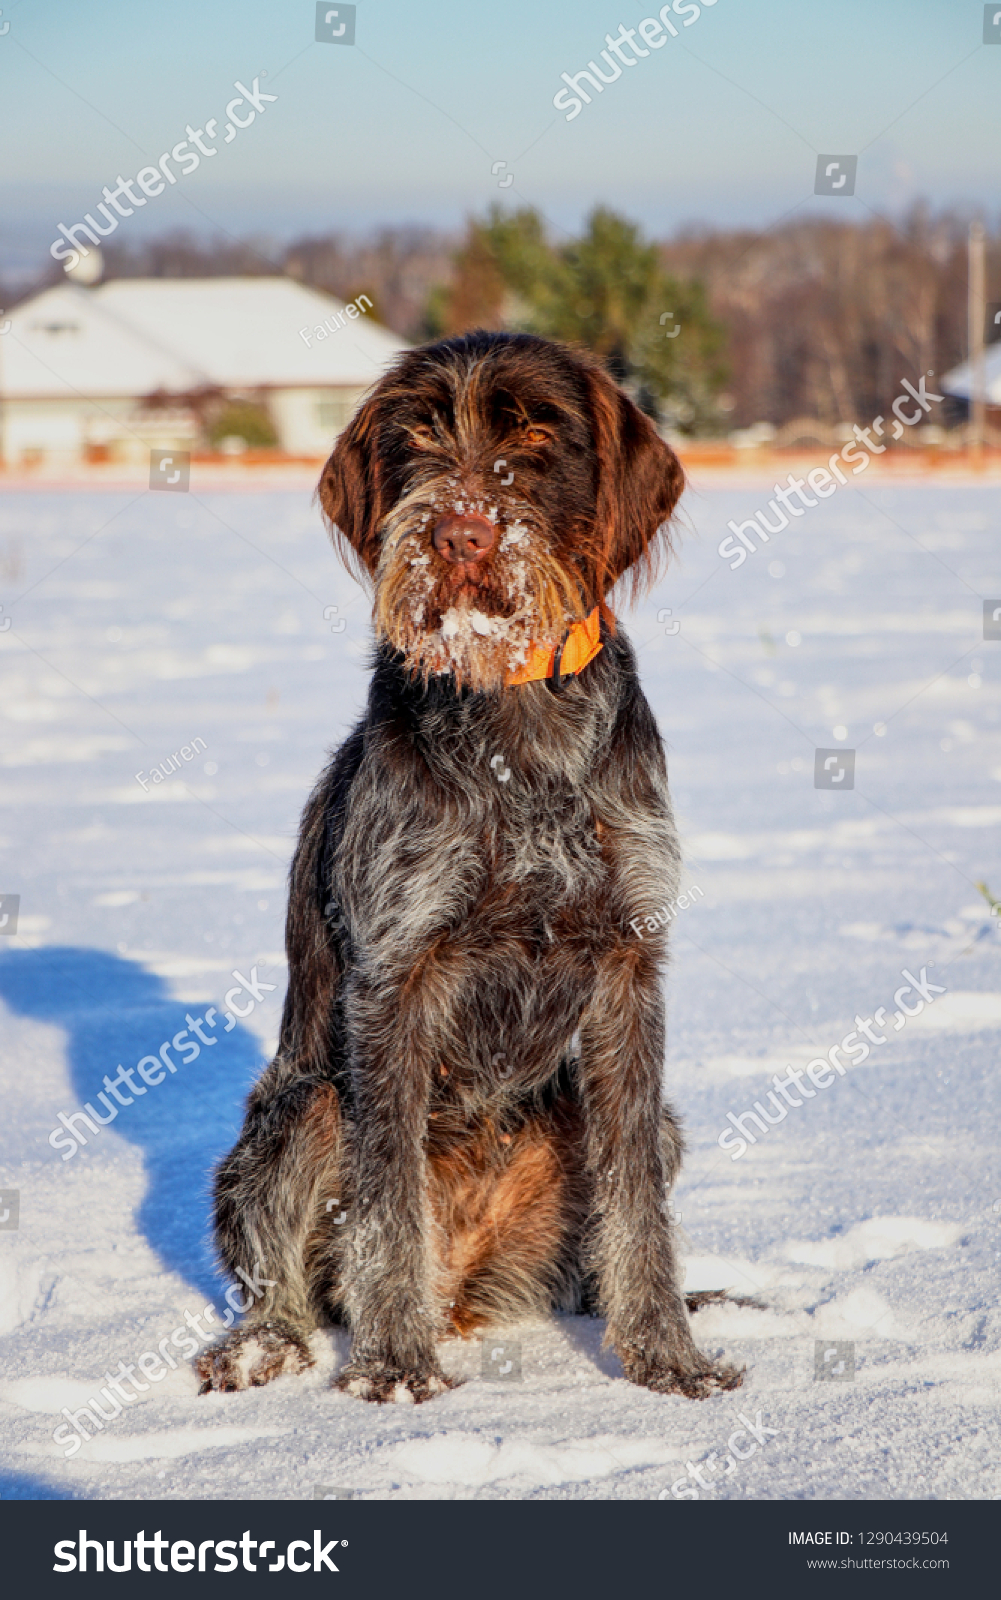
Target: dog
464	1122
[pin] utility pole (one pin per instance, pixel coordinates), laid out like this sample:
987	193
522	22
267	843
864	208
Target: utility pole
976	312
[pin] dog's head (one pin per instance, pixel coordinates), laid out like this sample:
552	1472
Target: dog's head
494	488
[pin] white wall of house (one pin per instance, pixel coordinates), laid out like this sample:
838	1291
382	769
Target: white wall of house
308	420
37	431
61	432
54	433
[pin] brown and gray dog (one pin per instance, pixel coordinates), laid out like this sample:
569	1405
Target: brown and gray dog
464	1123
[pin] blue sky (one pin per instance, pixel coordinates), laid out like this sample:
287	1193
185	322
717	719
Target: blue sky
722	125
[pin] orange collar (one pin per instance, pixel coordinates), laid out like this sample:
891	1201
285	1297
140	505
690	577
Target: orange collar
580	646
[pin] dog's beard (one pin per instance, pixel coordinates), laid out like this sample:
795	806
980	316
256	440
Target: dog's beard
479	629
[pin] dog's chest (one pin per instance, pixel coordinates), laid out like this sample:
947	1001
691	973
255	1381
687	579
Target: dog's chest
524	795
472	824
541	848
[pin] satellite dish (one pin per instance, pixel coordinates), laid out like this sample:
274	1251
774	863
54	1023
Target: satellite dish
88	268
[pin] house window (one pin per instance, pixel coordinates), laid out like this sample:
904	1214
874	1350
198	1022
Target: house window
332	413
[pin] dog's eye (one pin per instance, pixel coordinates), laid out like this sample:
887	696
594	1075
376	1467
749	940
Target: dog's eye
422	436
535	436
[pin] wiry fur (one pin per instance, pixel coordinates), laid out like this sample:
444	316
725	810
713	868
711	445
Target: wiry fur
473	1038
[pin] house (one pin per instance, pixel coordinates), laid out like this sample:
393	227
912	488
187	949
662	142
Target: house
108	373
959	383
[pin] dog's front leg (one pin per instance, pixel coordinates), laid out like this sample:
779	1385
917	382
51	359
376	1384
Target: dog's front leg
389	1287
622	1053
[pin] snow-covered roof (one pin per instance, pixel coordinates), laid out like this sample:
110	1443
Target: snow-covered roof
960	380
63	343
133	336
244	332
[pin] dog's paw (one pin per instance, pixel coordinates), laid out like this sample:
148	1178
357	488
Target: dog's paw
252	1356
696	1380
368	1381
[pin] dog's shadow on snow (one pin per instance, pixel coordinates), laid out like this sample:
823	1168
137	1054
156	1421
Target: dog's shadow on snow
115	1013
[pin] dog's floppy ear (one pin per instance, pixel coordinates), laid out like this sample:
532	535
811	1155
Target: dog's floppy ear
640	481
351	492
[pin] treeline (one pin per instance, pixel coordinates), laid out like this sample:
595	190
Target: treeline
712	330
824	319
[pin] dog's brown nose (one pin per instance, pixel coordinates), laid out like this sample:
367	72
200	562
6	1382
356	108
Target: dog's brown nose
461	539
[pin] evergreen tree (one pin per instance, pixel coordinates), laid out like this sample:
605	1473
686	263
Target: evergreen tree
607	290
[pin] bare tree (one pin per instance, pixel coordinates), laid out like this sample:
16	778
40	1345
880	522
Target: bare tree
825	319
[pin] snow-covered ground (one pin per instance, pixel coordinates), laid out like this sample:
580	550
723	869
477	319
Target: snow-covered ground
869	1217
